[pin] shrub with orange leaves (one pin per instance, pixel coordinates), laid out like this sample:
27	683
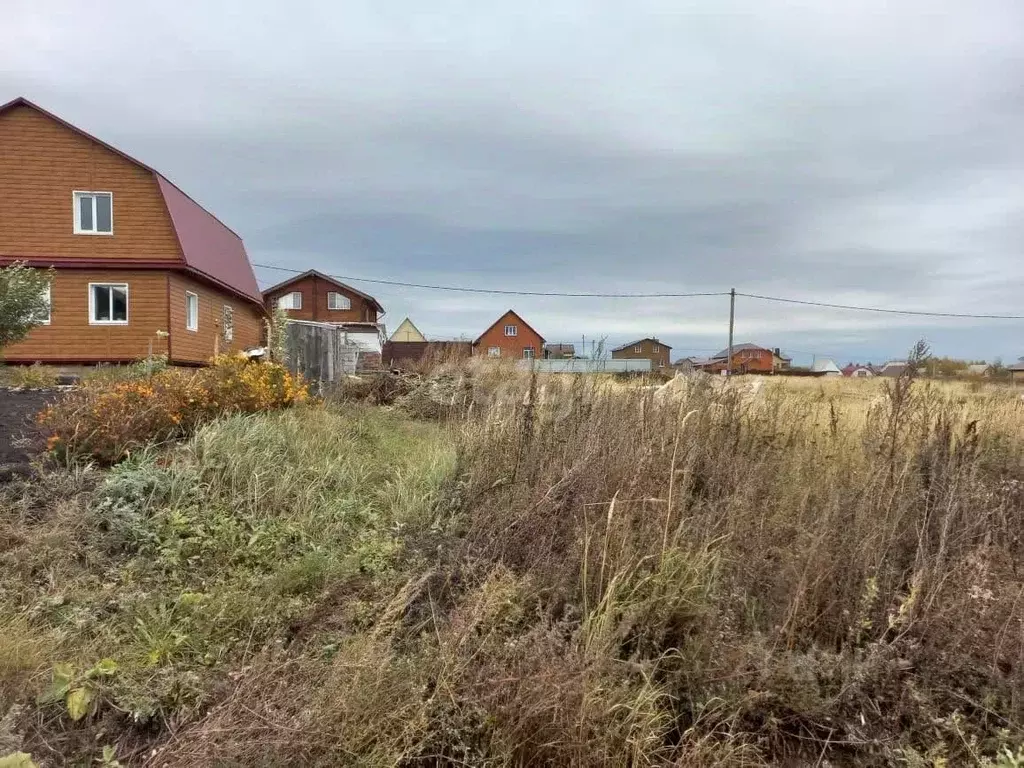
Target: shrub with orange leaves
108	420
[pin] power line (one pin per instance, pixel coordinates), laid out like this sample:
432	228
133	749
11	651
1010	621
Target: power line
563	294
506	292
916	313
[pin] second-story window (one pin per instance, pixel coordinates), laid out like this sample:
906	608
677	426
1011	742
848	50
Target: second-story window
291	300
94	213
511	330
656	348
337	300
638	349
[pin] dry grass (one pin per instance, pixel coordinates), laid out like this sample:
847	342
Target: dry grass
818	573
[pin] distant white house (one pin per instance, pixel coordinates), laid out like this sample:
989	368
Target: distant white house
826	366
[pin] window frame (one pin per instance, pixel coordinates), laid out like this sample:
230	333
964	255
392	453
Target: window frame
76	212
110	299
494	351
227	323
189	325
532	353
514	331
638	349
656	348
342	296
291	298
48	292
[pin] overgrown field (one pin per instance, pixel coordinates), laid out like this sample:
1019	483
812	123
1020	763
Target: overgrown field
554	572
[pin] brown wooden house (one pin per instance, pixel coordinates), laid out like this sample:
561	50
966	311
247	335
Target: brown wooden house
510	337
139	266
657	352
320	298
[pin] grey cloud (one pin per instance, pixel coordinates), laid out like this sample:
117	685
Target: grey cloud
845	152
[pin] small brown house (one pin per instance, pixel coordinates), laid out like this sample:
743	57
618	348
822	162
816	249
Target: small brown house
318	297
139	266
509	336
656	351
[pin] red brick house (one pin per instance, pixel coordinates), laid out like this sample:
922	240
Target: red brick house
139	266
321	298
511	337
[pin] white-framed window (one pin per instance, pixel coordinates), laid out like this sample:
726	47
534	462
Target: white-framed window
45	315
494	351
291	300
93	213
108	303
337	300
638	349
511	330
191	311
528	353
228	325
656	348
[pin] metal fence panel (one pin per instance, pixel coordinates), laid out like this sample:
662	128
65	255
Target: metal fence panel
578	365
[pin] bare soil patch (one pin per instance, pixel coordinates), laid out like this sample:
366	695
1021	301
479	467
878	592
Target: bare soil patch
20	438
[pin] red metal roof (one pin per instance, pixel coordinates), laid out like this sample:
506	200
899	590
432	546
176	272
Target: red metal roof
209	247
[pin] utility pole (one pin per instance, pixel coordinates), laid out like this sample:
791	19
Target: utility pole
732	322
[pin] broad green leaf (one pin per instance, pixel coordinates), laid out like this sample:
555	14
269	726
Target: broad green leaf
17	760
105	667
78	702
63	675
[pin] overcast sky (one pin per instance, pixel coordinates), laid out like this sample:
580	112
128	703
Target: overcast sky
865	152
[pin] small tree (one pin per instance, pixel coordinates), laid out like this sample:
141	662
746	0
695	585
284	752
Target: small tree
277	338
24	301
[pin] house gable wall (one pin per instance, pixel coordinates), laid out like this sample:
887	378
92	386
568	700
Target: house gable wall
42	163
314	292
511	346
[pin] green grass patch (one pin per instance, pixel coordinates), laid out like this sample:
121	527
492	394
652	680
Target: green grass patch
178	564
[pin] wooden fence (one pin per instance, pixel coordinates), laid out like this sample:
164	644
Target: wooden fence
320	352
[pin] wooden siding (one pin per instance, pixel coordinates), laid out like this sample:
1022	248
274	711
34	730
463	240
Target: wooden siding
511	346
198	346
42	163
659	358
314	292
70	338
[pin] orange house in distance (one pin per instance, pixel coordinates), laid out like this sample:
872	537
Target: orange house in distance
320	298
139	266
509	336
746	358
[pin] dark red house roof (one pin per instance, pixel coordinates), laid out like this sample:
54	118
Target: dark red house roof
333	280
209	247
